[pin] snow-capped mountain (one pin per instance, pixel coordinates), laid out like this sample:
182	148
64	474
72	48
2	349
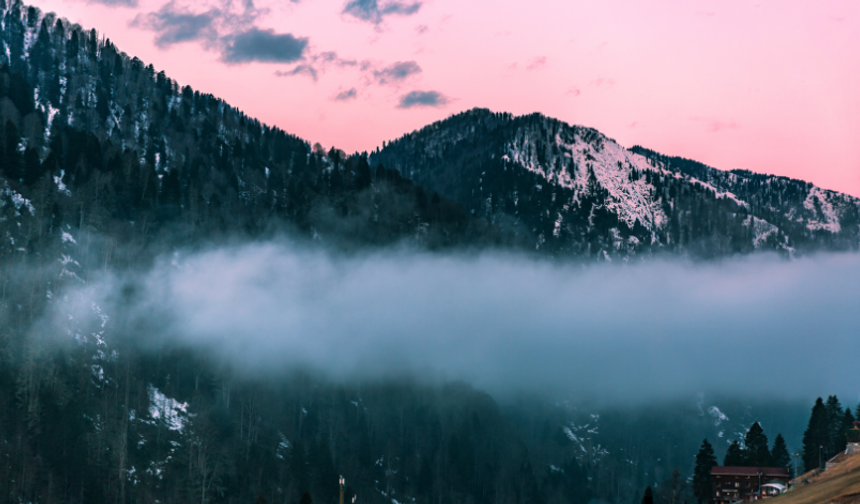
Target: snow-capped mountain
571	188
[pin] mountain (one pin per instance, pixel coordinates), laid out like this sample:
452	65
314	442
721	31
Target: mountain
95	142
108	165
572	190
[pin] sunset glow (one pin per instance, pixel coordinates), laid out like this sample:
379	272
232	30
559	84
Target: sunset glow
769	86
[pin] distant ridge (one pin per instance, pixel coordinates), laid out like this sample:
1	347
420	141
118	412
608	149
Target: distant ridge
574	190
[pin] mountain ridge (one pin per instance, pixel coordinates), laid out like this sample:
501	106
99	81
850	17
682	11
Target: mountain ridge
486	161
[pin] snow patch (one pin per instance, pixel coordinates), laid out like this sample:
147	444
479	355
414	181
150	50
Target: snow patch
718	416
168	410
824	216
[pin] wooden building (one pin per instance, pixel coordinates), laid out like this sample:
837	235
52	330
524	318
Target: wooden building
745	484
853	434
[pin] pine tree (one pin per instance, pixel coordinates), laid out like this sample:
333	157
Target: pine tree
12	166
756	444
816	437
705	461
779	456
648	497
734	455
846	423
835	415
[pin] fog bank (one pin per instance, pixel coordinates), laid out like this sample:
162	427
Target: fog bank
752	326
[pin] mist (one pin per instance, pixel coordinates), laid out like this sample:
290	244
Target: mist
756	326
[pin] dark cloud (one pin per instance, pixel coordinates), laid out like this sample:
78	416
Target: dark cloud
631	332
303	69
372	12
422	99
174	24
317	65
263	46
349	94
396	72
116	3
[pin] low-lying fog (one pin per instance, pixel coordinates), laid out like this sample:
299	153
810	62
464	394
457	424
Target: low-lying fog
755	326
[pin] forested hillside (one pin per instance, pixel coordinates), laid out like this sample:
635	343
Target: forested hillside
108	165
570	190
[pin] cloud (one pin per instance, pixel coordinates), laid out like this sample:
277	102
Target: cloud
396	72
349	94
174	25
632	332
372	12
603	83
115	3
303	69
317	64
422	99
264	46
421	29
536	63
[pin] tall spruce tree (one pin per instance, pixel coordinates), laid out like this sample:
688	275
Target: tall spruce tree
734	455
705	461
835	415
756	447
816	437
846	423
779	456
648	497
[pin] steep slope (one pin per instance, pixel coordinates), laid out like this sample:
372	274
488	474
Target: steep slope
572	189
840	484
95	142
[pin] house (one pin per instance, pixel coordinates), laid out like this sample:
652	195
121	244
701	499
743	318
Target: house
738	484
853	440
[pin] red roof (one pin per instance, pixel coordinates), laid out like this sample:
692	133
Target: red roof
770	472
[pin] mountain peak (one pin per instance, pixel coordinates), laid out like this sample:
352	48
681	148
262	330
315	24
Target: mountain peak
572	188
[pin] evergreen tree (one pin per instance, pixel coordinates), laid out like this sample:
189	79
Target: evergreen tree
648	497
835	416
756	447
734	455
779	456
12	164
705	460
816	437
846	423
32	167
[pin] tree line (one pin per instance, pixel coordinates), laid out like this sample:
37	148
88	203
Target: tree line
825	436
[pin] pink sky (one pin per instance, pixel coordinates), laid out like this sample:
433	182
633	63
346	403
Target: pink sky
769	86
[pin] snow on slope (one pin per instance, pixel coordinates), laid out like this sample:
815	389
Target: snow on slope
570	151
762	230
824	215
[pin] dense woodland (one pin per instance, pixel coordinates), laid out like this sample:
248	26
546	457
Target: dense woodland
106	165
